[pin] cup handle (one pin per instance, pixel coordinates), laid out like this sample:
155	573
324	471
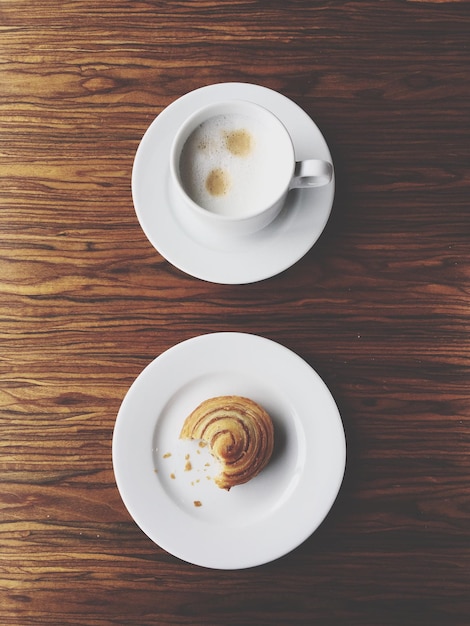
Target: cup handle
311	173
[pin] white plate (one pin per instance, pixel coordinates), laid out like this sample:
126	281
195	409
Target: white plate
252	523
243	260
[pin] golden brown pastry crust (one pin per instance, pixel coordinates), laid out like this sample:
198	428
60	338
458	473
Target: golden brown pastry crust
239	433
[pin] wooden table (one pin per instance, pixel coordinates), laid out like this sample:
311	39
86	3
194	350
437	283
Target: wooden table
380	306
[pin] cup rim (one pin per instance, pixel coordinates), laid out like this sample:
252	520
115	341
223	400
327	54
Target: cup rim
185	130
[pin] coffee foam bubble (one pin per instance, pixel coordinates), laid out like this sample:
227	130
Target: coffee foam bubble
228	165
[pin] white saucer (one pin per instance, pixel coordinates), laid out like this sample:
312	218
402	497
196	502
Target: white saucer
242	260
180	508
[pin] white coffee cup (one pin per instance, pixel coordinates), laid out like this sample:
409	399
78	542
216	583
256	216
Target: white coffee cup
232	165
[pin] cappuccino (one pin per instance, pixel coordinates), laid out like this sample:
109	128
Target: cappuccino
229	165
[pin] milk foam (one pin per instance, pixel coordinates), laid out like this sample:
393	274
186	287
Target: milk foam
229	166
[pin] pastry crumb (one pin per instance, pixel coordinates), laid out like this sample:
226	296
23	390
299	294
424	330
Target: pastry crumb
197	503
167	455
172	476
188	467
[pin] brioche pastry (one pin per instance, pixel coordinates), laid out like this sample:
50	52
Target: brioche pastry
239	434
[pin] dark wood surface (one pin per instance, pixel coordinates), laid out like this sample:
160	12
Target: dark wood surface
380	307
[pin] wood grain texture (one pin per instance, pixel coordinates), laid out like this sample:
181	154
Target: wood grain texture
380	307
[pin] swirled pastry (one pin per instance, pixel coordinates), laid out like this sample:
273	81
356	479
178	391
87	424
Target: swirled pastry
239	434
